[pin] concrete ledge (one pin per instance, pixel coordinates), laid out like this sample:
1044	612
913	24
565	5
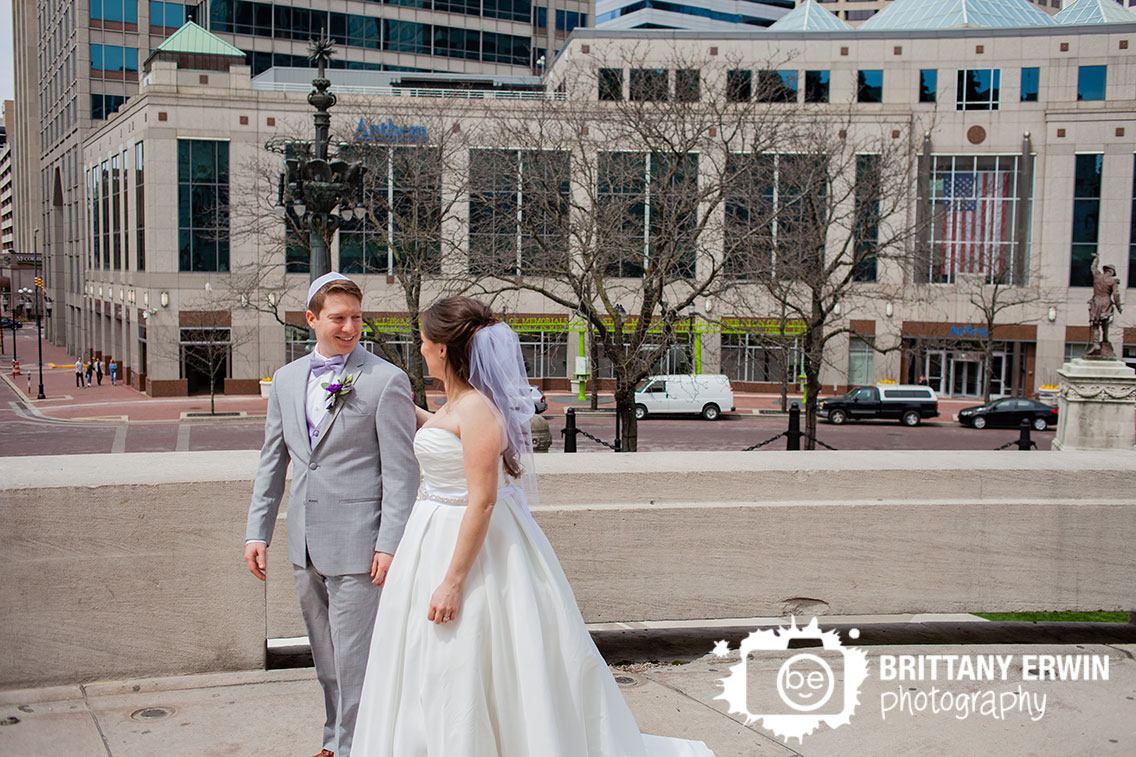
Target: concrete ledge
130	565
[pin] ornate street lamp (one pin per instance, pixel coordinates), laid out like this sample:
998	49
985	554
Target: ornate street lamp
318	191
38	313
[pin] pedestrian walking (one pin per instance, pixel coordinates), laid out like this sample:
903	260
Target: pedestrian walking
89	370
99	371
113	368
79	373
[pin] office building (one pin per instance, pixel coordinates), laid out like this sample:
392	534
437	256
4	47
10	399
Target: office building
1028	163
79	62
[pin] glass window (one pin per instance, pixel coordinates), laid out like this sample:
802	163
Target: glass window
517	210
739	85
816	86
750	203
140	205
870	86
1030	84
649	84
644	212
405	36
96	56
688	85
545	353
978	89
867	231
777	86
772	214
566	21
928	85
1086	218
203	205
455	42
974	201
860	357
611	84
1091	82
759	357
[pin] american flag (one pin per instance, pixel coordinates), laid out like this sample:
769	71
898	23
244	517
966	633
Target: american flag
976	223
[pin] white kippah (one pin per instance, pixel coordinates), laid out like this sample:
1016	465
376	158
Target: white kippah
323	281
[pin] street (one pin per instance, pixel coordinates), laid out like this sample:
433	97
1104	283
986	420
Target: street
112	419
22	434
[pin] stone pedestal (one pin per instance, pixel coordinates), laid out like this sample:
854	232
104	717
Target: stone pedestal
1097	408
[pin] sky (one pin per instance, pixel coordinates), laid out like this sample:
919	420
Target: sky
7	62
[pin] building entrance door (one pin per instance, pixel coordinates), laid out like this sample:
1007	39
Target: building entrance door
966	378
933	369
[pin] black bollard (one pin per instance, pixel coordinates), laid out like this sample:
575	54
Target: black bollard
570	430
1024	441
793	435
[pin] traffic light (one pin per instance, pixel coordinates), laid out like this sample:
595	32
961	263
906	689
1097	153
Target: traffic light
39	282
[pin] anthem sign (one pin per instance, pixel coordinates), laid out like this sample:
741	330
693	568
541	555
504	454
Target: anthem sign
389	131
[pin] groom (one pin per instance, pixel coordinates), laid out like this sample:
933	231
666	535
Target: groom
345	420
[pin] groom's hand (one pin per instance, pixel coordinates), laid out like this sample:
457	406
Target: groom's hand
379	567
256	558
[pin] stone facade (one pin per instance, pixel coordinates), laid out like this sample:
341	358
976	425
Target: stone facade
933	320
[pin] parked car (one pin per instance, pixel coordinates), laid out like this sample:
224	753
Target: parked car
1009	413
10	323
540	404
907	403
708	395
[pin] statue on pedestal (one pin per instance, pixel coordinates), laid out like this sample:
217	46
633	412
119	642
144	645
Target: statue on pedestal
1106	298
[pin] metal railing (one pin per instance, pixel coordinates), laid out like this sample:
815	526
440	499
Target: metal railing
379	91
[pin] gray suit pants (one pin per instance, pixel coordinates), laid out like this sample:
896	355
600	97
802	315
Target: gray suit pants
339	612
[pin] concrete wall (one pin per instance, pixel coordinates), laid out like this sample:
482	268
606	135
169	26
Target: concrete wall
131	565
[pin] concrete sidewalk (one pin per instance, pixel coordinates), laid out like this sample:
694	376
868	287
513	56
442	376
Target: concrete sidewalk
278	712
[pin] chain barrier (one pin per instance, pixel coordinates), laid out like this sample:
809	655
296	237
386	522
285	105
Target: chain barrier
582	432
1017	443
818	441
767	441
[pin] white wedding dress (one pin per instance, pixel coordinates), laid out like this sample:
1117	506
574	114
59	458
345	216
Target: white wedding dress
516	673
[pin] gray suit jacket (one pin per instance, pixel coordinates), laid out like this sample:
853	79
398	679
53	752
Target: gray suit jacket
351	494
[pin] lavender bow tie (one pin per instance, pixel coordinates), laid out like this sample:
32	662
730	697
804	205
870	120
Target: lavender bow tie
321	365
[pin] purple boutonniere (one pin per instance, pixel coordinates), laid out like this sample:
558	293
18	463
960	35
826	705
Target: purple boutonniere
338	389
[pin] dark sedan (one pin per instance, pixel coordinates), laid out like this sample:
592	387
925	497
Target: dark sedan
1009	413
8	323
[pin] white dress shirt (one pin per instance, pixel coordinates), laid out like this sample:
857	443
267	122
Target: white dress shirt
315	409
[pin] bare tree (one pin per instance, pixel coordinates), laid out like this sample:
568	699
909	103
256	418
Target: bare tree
401	228
613	209
414	200
206	342
997	302
820	219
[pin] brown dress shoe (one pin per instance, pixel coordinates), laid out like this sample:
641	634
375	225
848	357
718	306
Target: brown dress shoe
326	753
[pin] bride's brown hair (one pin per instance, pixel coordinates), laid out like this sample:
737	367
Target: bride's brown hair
453	322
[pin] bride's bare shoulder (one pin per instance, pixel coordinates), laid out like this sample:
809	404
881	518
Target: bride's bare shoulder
476	413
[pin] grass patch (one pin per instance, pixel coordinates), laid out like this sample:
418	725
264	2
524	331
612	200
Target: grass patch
1059	617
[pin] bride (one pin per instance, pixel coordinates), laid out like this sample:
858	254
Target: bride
479	648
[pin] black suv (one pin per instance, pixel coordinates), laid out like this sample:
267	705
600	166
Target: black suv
909	404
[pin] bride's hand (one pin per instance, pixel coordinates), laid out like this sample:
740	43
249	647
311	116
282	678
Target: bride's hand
445	602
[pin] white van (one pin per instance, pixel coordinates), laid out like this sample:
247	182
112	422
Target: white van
707	394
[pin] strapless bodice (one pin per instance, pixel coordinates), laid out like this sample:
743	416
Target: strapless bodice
442	461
